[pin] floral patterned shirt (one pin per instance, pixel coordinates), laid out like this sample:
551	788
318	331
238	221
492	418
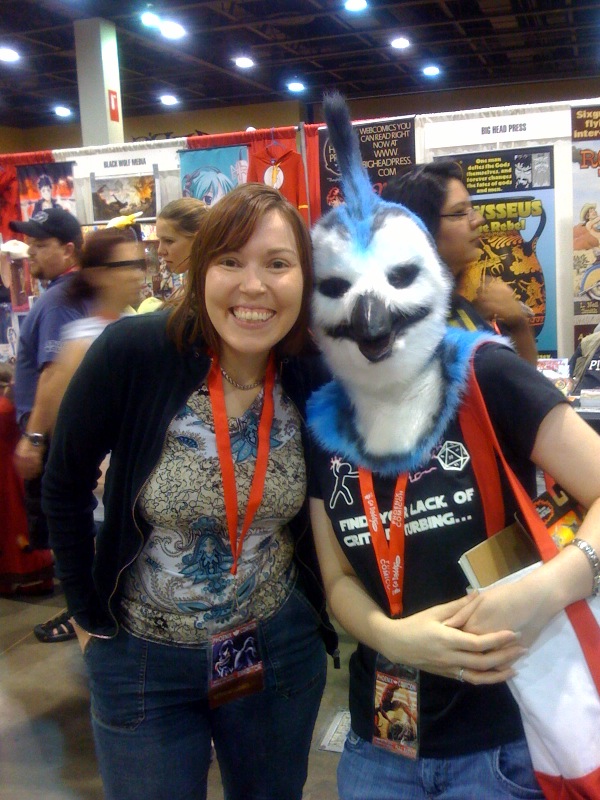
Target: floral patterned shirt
180	588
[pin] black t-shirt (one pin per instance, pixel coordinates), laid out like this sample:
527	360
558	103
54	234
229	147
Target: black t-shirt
443	518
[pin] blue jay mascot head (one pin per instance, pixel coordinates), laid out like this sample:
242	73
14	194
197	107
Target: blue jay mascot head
379	315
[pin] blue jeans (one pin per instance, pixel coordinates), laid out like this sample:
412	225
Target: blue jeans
153	727
366	772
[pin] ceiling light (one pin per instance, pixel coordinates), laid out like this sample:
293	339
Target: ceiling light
150	20
355	5
172	30
296	86
169	100
400	43
62	111
8	54
431	71
243	62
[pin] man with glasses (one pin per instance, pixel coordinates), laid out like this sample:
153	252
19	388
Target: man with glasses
435	192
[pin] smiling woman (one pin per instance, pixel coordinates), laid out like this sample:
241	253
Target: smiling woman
204	570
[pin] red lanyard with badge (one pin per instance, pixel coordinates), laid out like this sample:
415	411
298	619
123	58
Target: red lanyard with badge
396	694
237	668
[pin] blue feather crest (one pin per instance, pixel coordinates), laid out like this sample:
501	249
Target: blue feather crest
361	200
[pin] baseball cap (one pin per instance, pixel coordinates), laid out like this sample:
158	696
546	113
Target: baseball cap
55	223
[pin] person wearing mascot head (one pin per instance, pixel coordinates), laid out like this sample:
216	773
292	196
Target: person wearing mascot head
395	501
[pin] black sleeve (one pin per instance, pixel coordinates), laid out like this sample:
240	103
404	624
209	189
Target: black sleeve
84	434
516	395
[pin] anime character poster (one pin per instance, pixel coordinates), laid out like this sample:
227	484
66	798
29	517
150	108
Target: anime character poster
44	186
210	174
514	192
387	147
586	219
123	195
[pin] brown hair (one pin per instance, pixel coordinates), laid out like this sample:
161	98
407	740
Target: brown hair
184	214
228	226
96	252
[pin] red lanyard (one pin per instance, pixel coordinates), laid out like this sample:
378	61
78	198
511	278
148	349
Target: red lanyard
217	401
389	554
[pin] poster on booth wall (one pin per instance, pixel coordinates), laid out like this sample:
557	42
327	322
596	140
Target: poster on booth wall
122	195
387	147
586	219
210	174
44	186
8	334
514	192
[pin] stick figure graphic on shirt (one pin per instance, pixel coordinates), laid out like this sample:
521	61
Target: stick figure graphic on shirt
342	471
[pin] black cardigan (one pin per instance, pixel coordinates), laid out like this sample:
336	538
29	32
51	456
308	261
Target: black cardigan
132	382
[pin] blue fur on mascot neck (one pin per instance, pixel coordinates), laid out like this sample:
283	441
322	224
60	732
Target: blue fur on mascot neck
331	415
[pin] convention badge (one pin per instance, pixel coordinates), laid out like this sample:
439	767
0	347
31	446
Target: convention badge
396	708
236	668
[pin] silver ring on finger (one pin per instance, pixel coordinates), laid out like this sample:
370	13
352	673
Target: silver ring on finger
460	676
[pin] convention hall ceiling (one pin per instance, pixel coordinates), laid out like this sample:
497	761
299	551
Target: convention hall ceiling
473	42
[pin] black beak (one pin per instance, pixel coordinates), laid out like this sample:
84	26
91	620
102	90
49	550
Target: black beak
372	327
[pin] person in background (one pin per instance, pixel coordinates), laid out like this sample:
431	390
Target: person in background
176	226
22	570
55	242
201	406
110	279
435	192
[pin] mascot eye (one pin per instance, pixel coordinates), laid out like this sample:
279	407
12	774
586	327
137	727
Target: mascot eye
334	287
402	276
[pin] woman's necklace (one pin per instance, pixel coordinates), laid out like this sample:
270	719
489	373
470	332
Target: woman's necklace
243	386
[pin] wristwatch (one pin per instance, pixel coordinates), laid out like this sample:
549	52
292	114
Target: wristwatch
36	439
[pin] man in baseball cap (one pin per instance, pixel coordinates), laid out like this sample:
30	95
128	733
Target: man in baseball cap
53	223
54	238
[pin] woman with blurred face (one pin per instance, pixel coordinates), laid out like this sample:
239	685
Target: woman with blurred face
111	278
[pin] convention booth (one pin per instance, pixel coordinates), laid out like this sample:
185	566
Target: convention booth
533	172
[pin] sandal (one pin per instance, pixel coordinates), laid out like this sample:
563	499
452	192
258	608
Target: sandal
57	629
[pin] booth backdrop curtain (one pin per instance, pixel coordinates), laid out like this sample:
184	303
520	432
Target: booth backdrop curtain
311	139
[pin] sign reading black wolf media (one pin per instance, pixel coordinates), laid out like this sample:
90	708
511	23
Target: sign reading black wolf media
387	147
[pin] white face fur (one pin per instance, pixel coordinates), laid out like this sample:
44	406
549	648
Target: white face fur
398	279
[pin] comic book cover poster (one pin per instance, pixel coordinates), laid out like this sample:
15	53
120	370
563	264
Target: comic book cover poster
514	192
586	219
387	147
210	174
8	334
122	195
21	287
396	708
44	186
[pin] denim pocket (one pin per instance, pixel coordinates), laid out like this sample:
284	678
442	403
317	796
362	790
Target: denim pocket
512	768
117	673
292	648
